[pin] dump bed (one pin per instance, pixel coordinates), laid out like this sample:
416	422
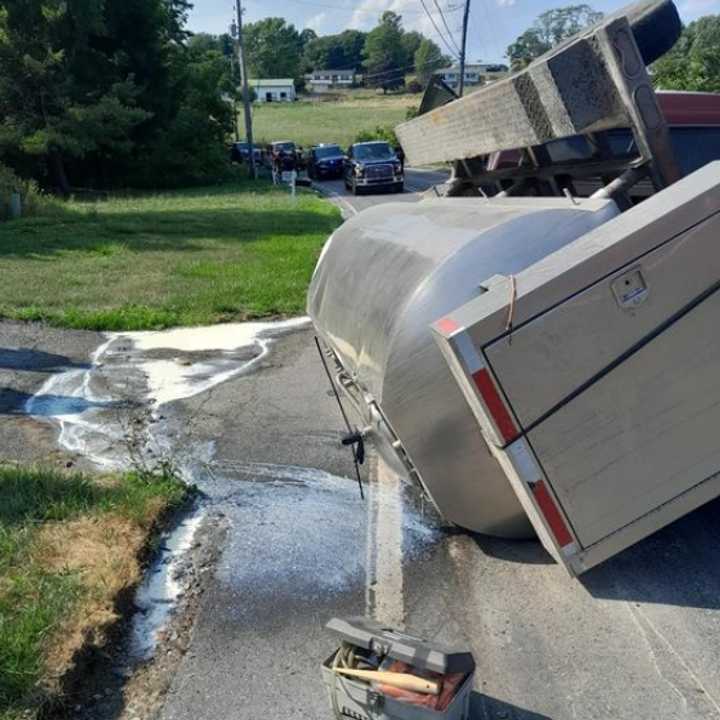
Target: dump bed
594	374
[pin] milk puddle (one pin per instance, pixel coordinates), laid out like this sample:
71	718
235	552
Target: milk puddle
111	414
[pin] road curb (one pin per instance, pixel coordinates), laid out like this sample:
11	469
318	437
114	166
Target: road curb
347	210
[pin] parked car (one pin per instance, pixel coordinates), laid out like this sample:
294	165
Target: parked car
283	156
325	161
240	152
373	165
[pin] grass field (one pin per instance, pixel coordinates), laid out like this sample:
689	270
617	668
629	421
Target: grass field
312	122
182	258
69	544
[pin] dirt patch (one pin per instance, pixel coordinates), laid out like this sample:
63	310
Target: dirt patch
112	686
88	547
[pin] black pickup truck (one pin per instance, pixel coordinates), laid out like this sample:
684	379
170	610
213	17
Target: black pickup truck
373	165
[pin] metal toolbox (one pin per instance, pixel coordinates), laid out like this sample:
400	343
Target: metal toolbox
360	700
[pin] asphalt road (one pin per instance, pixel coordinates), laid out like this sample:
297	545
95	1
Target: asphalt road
417	181
636	638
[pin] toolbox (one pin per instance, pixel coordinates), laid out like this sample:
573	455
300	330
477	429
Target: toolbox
368	644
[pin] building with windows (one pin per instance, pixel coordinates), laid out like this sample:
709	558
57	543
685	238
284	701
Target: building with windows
325	80
273	90
480	74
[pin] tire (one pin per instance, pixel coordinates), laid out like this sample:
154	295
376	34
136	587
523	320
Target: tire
399	187
356	189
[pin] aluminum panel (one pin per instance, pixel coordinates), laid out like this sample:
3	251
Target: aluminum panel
643	434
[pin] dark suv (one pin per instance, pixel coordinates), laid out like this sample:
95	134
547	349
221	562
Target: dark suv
325	161
373	165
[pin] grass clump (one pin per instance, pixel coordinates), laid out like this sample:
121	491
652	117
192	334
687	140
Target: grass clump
140	262
69	544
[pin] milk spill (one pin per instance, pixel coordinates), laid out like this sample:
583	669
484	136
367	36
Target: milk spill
95	409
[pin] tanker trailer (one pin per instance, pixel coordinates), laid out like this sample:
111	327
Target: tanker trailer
383	278
389	275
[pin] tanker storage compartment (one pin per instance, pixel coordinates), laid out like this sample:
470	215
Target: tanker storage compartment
602	402
384	277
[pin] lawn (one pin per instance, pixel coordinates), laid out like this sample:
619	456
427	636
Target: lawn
311	122
69	545
182	258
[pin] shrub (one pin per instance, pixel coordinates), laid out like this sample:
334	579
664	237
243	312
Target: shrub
10	184
379	133
414	86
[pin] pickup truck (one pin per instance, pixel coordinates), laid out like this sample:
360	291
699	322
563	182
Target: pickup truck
535	344
371	165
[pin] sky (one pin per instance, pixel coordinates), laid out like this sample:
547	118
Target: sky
494	24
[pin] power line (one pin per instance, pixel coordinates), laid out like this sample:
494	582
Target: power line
400	69
437	30
351	9
445	23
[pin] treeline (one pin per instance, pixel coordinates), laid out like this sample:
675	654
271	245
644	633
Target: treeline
275	48
110	94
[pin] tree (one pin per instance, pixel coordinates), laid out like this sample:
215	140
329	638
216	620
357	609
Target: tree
335	52
89	89
306	36
352	43
428	60
60	95
410	44
191	149
384	53
323	53
274	49
694	62
550	29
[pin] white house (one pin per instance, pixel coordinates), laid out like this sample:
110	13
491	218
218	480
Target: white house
273	90
323	80
479	74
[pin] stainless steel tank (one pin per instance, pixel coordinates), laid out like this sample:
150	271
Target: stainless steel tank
383	278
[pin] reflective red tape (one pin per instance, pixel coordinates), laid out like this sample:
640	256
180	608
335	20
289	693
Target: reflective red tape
447	326
552	514
495	405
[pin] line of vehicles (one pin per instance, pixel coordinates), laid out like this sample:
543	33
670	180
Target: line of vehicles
366	166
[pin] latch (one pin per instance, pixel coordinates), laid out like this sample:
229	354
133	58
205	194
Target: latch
630	289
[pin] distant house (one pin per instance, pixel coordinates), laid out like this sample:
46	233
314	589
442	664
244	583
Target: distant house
324	80
480	74
274	90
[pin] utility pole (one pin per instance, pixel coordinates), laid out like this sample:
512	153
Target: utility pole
463	48
245	90
233	58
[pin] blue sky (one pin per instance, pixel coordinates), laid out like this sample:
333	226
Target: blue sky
493	23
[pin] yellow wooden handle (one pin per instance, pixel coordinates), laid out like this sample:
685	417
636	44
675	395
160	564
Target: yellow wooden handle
398	680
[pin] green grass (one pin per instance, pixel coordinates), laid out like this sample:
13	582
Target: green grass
182	258
37	599
311	122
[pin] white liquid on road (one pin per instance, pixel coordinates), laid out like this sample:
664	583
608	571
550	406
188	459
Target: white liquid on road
96	409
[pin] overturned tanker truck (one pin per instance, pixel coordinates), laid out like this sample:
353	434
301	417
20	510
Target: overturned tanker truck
537	344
